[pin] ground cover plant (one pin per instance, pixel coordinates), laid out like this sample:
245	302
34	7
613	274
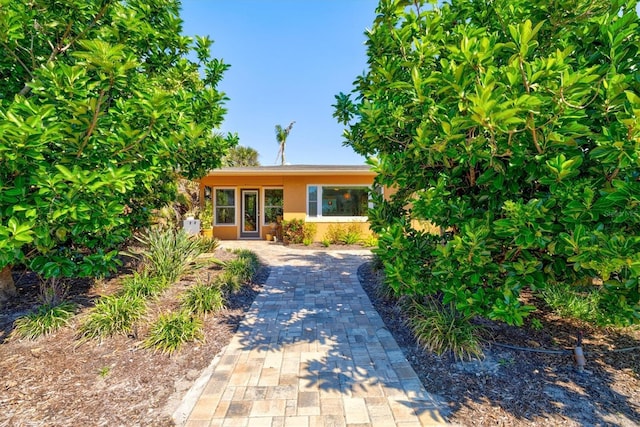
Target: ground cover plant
172	330
203	298
46	319
528	376
513	127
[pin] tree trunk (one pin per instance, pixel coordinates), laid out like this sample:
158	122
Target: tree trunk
7	287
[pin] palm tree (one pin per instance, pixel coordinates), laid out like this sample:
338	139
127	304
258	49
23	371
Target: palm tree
281	137
241	156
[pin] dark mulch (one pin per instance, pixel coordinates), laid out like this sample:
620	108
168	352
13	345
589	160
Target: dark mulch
524	388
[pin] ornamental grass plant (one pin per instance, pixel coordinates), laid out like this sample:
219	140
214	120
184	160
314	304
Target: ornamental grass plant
203	299
441	328
172	330
45	320
112	315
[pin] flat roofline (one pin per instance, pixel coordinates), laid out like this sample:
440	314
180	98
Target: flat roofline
296	170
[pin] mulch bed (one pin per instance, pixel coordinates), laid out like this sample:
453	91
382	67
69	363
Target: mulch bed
526	388
59	381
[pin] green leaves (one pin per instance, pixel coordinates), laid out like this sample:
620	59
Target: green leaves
102	108
514	129
561	168
524	36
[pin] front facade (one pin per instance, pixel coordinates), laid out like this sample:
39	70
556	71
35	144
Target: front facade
247	201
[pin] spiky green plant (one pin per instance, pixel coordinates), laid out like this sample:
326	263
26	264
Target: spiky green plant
370	241
228	281
172	330
351	238
384	291
243	268
334	234
238	271
168	253
46	319
114	314
208	244
144	285
249	255
202	299
441	328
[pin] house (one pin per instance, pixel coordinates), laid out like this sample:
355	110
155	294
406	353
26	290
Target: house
247	201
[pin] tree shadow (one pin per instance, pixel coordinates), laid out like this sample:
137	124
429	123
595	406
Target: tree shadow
525	389
527	386
315	306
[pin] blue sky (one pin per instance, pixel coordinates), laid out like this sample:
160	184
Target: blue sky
288	59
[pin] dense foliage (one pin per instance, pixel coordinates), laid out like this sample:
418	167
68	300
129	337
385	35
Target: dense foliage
514	126
102	104
240	156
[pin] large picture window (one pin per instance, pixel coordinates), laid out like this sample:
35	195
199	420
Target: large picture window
337	201
225	208
273	202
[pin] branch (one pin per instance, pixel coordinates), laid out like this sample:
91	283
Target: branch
472	170
580	107
534	133
140	139
59	48
613	175
92	125
12	53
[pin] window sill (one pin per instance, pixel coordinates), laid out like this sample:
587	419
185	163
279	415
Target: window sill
336	219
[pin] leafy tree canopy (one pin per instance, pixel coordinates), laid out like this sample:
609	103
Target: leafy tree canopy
514	125
103	103
240	156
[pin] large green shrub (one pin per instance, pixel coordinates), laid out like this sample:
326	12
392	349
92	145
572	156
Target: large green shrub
103	104
513	125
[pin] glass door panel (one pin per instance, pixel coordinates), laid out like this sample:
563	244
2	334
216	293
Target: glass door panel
250	214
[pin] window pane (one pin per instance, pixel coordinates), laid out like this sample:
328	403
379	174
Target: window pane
312	199
225	197
345	201
273	197
273	200
225	215
271	214
225	206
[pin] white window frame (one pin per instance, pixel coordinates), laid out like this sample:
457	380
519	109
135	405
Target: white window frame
264	203
235	207
320	217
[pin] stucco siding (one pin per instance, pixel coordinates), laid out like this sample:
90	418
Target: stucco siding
294	185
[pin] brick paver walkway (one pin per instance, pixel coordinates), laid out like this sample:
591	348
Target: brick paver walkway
312	351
